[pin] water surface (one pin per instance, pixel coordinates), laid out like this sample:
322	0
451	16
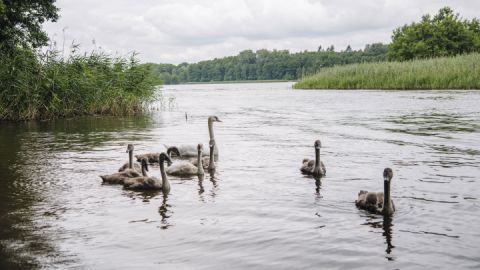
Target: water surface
258	211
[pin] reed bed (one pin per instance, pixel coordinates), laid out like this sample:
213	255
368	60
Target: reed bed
459	72
43	85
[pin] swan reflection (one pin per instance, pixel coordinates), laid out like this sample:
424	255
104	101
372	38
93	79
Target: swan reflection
386	224
318	186
214	180
165	213
387	232
201	189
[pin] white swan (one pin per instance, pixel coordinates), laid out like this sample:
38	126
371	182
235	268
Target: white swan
378	202
185	167
151	183
211	161
191	150
314	167
130	164
120	177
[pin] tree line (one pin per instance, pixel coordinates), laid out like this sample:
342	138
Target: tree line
266	65
444	34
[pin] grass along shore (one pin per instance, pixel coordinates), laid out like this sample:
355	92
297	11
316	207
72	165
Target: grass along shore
459	72
37	85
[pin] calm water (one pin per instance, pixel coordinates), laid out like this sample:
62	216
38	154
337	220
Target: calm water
258	211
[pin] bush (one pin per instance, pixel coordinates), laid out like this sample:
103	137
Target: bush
444	34
44	85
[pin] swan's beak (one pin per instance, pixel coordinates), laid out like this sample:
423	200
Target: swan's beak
218	120
386	179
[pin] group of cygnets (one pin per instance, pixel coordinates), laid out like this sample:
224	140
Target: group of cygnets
192	160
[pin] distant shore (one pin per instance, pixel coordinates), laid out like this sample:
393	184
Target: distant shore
458	72
244	81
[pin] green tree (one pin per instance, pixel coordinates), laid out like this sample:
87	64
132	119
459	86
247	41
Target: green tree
441	35
21	22
266	65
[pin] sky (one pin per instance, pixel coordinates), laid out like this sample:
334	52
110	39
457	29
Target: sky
176	31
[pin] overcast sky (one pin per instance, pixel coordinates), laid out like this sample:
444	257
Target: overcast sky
175	31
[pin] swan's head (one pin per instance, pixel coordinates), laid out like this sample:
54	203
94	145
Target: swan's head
129	148
164	157
318	144
144	164
213	118
200	147
387	174
173	150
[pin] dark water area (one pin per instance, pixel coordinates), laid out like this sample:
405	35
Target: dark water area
257	211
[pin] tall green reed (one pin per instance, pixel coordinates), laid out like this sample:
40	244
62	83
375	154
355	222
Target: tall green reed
45	84
459	72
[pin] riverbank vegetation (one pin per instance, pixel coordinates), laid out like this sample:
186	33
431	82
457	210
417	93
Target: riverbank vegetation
39	86
422	53
458	72
36	83
266	65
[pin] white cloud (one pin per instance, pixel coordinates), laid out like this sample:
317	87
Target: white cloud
172	31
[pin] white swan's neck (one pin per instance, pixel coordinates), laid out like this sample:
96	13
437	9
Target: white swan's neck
130	159
200	170
144	171
211	163
165	182
317	159
210	130
387	203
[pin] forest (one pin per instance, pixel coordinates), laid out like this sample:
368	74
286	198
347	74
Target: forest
267	64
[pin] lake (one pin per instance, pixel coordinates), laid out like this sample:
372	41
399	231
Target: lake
257	211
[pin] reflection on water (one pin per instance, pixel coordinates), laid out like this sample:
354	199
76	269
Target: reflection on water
387	232
255	210
165	212
385	223
201	189
318	185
